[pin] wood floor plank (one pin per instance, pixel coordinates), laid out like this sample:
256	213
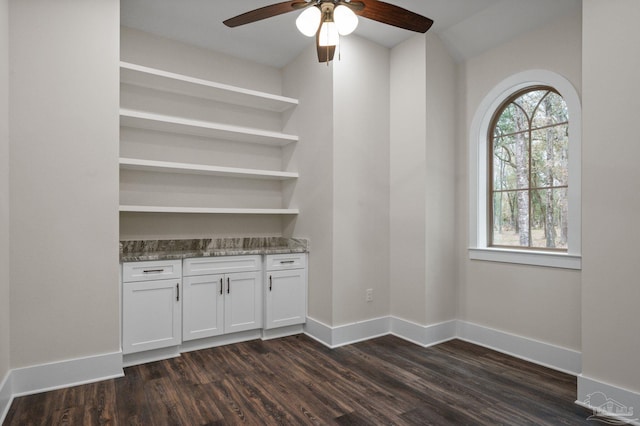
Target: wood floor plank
297	381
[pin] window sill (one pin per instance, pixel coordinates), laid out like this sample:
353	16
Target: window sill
522	257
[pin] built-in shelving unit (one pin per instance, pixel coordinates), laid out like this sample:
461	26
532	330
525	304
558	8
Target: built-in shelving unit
199	169
207	129
206	210
160	81
156	79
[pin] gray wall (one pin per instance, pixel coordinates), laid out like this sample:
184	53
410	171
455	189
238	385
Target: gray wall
422	179
538	303
611	193
361	181
343	188
4	192
63	180
313	157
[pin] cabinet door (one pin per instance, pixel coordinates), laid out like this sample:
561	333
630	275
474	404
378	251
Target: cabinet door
151	315
243	302
202	306
286	298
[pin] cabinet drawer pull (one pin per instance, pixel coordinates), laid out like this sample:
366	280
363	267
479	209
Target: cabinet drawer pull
228	285
155	271
221	285
270	283
282	262
178	292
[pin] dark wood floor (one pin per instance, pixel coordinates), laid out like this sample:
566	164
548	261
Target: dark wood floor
296	380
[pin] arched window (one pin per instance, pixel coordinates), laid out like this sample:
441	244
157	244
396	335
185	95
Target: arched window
524	172
528	171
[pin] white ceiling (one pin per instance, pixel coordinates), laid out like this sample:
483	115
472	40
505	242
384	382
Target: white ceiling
467	27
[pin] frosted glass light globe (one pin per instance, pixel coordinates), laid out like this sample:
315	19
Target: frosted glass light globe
309	21
345	19
329	34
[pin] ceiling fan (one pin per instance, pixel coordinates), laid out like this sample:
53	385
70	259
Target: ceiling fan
329	19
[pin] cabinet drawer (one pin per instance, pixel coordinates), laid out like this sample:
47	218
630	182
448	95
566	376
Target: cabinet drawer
221	265
151	270
277	262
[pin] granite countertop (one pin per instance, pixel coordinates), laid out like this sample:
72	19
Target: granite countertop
141	250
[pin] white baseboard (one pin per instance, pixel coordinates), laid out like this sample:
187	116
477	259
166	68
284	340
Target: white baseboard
6	396
342	335
423	335
555	357
62	374
318	331
360	331
596	395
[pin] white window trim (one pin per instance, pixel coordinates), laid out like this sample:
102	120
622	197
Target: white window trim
478	146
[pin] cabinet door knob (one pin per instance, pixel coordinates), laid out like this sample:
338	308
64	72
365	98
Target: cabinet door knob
178	292
221	285
270	283
228	285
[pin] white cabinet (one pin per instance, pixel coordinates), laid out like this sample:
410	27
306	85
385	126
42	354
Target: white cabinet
168	303
151	305
221	295
285	290
203	306
243	302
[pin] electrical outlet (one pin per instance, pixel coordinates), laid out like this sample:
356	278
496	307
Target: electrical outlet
369	295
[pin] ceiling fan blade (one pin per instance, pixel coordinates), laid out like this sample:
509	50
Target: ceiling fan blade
265	12
325	53
394	15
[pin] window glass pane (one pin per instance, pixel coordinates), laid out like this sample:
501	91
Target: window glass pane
549	218
511	120
504	172
552	110
529	166
550	156
511	162
530	100
511	218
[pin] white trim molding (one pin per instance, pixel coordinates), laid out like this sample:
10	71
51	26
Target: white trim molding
334	337
62	374
423	335
6	396
478	173
556	357
526	257
611	404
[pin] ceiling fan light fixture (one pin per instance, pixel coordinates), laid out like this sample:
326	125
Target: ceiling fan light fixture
329	35
309	21
346	20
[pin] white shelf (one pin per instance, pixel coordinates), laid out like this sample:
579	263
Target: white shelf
205	210
177	83
199	169
170	124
